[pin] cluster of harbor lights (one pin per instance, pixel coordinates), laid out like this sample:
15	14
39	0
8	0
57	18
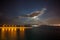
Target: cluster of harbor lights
12	30
12	27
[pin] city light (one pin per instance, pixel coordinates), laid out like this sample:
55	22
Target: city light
11	31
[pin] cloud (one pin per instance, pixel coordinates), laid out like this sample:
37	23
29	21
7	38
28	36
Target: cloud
26	20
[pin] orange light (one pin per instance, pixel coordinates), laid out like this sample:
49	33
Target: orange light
2	29
14	29
22	28
9	29
6	29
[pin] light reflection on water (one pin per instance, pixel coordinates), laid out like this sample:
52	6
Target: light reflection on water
3	32
11	33
22	33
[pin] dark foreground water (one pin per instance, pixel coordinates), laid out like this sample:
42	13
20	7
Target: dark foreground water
37	33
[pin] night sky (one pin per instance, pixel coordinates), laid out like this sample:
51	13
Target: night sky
10	9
